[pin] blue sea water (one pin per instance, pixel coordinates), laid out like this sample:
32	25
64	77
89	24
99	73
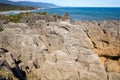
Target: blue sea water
86	13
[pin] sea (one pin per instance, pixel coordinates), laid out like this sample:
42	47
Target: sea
84	13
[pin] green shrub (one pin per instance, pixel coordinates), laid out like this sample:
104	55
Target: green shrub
66	14
1	29
15	18
42	13
59	17
28	13
11	18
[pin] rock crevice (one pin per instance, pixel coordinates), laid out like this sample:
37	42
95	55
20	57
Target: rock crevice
61	50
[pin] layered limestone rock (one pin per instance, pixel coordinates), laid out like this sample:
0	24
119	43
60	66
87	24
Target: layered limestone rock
105	36
50	51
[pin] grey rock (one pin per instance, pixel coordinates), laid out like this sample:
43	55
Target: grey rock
1	23
52	51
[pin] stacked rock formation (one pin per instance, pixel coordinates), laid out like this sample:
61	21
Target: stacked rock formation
58	51
105	36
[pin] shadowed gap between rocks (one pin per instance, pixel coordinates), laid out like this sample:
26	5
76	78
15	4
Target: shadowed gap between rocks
21	75
3	50
18	73
110	57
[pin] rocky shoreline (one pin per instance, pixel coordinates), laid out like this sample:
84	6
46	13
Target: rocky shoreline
49	47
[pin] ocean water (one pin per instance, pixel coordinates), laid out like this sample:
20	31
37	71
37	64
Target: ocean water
84	13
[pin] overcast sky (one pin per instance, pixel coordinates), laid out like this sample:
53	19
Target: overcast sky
81	3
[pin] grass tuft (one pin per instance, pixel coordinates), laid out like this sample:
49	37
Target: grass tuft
6	75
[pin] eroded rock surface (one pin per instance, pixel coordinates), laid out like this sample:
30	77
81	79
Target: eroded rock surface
56	51
105	36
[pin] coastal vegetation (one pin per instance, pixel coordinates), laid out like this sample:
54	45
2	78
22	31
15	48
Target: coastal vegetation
8	7
1	29
18	17
4	75
15	18
42	13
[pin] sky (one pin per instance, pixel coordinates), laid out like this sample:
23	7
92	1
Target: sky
81	3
